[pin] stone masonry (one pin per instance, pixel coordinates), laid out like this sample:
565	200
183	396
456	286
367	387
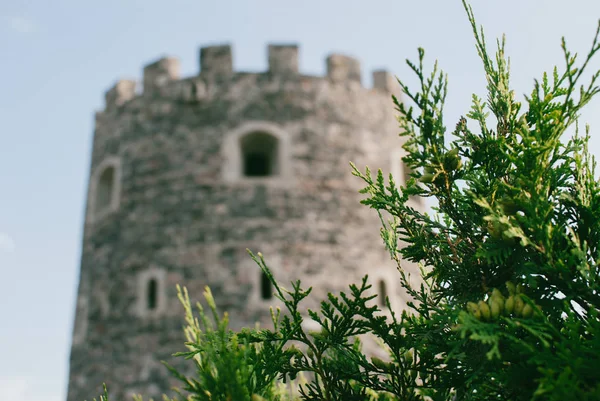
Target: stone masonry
189	172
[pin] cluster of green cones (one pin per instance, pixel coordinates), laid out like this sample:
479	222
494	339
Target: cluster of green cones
516	304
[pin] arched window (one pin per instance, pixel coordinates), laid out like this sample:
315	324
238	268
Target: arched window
259	155
152	294
266	289
105	189
152	298
382	290
258	151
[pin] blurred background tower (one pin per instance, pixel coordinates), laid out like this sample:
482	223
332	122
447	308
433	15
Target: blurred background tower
189	172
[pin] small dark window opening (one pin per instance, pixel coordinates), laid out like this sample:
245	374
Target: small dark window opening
152	294
105	188
259	155
266	289
382	293
257	165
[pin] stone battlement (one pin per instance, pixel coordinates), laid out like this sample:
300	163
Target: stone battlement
216	65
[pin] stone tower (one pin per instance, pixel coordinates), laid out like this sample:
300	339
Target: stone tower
188	173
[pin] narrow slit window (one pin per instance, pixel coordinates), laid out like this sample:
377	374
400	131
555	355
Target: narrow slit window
259	155
106	186
382	293
152	294
266	289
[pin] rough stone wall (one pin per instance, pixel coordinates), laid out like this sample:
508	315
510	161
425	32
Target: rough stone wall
184	216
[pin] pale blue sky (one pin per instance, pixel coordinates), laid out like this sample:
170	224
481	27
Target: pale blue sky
60	56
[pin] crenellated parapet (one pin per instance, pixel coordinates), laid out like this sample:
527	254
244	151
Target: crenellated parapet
161	77
160	73
385	81
283	59
342	68
122	91
216	62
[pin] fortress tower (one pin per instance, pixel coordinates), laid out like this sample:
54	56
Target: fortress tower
188	173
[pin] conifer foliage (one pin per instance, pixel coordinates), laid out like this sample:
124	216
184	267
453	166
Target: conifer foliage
508	308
